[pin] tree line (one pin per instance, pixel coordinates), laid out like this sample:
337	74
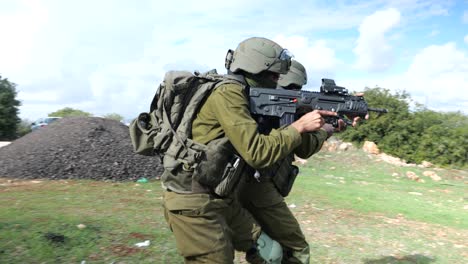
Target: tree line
414	133
9	120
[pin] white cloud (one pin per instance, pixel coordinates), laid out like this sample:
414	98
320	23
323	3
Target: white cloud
439	74
465	17
436	77
22	29
438	59
316	56
125	88
466	39
373	51
40	96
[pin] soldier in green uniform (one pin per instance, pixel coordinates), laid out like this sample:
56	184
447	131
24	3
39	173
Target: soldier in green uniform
201	221
262	198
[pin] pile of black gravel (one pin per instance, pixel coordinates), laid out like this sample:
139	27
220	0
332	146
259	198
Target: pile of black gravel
77	148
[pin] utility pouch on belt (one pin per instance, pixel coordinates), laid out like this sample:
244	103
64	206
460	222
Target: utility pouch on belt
284	184
220	167
231	176
283	175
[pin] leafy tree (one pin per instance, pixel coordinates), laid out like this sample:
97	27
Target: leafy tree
8	110
445	141
378	127
114	116
416	135
68	112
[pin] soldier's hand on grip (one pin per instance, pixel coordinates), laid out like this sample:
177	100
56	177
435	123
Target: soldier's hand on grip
312	121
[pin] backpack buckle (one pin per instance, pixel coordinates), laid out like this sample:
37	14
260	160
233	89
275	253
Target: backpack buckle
187	167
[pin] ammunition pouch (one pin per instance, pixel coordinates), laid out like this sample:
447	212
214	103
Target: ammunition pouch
231	176
282	174
220	168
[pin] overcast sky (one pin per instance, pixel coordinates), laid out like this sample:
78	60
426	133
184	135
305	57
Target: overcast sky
108	56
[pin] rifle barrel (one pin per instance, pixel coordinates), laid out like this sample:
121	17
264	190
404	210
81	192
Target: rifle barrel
378	110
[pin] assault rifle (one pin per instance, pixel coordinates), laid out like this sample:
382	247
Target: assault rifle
289	105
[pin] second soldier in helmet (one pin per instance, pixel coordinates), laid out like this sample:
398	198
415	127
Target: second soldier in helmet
264	197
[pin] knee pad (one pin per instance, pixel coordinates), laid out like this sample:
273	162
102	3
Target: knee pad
269	249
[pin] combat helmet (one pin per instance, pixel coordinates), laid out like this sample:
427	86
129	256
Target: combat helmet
255	55
295	78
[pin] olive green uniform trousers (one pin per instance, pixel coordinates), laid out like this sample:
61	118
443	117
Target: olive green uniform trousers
203	227
268	207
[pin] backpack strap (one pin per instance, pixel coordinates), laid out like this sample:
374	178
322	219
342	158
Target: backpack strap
236	77
230	78
174	133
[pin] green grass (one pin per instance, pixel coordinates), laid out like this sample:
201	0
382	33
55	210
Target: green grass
356	210
352	209
116	216
366	187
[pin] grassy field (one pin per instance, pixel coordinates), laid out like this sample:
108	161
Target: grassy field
352	208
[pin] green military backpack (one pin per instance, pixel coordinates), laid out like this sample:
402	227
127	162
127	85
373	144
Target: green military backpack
165	131
174	106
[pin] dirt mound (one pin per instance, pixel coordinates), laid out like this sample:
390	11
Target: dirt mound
80	148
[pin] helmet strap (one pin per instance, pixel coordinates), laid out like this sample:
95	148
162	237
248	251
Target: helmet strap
228	60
